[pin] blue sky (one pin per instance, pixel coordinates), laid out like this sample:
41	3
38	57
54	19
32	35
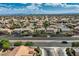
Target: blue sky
38	8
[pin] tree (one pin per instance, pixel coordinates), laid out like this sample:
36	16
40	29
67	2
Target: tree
17	43
70	51
70	26
39	33
46	24
25	33
38	51
29	44
4	43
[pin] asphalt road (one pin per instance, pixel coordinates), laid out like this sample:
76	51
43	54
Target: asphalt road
51	44
44	41
40	38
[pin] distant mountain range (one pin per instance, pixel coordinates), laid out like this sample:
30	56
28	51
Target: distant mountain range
37	14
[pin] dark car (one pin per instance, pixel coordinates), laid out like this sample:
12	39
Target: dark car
65	42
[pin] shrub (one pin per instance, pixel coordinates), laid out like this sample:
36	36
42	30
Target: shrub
25	33
68	34
39	33
17	43
29	44
75	44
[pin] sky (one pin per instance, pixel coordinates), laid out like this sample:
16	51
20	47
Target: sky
38	8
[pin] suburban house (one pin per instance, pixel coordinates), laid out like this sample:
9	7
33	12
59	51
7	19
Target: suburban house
39	23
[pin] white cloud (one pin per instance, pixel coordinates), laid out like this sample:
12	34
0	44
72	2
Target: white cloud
54	4
76	6
64	5
32	6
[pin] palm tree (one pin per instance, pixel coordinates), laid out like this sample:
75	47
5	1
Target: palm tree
46	24
34	24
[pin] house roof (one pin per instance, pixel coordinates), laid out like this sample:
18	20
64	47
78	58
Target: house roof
22	51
